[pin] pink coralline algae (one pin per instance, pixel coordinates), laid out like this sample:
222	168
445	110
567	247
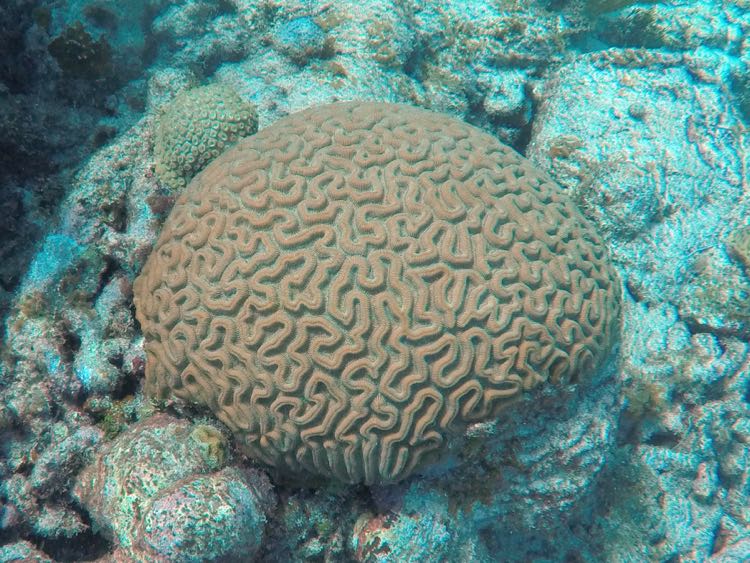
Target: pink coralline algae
158	492
208	517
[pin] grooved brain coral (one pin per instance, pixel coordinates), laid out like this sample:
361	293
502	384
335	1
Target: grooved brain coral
354	283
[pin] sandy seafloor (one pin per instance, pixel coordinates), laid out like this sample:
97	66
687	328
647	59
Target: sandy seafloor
640	110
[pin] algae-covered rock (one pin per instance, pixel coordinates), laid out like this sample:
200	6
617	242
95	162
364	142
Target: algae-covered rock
301	39
215	517
738	244
156	492
22	551
133	468
79	55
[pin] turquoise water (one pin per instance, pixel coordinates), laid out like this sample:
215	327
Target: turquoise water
124	438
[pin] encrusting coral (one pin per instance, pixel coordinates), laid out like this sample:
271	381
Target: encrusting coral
175	526
351	285
196	127
162	495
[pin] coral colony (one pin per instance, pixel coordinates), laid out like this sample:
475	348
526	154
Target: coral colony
355	283
374	281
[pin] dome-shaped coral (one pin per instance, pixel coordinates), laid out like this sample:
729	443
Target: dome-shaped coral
196	127
159	493
215	517
353	283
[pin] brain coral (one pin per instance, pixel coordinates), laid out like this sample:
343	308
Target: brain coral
196	127
353	284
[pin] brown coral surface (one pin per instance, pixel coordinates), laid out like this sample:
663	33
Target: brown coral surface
350	285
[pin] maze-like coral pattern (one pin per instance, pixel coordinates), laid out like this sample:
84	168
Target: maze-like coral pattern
351	284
